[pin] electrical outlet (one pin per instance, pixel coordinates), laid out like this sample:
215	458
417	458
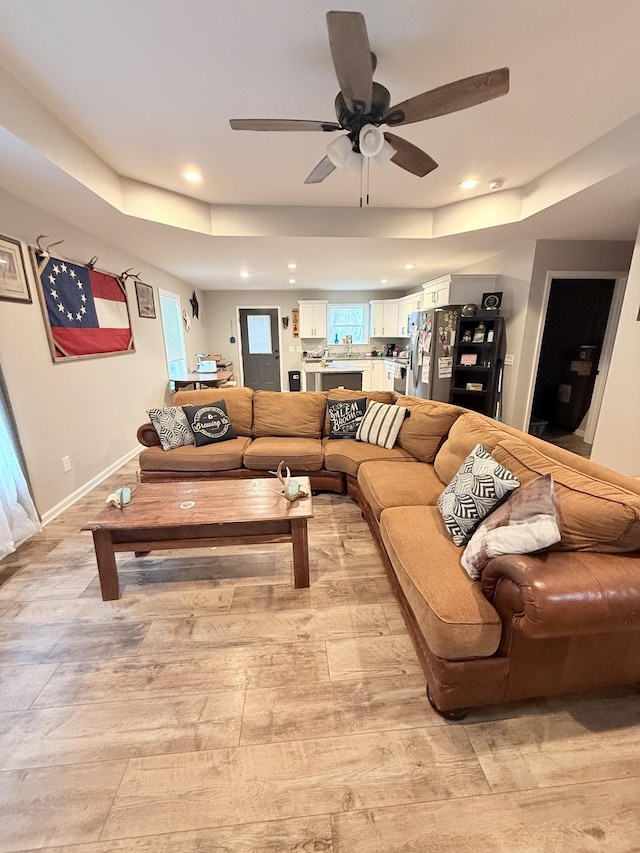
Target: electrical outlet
66	463
508	360
292	349
298	349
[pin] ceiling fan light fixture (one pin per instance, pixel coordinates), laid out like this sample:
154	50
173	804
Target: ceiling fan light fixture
370	140
385	154
339	151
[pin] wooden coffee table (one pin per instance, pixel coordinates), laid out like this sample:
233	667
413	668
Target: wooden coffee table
163	516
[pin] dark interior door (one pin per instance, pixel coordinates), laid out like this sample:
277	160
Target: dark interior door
260	348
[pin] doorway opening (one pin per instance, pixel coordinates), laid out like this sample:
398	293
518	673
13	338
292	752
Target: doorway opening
577	331
260	348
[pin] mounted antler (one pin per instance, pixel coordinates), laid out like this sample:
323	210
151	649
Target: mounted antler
290	488
128	274
91	264
42	249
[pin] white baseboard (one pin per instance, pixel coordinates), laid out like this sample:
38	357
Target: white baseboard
59	508
579	432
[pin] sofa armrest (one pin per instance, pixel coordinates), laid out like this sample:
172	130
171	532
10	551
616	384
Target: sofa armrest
148	436
562	594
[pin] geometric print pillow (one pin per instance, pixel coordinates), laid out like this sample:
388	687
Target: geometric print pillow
172	427
475	490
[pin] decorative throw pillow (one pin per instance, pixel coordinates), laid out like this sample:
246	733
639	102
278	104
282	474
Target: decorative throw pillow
172	427
210	423
381	424
345	416
527	521
480	484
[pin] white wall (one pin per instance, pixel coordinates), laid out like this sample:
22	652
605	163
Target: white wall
616	441
88	410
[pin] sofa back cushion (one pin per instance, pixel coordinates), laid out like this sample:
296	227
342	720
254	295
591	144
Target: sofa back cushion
468	430
239	402
347	394
301	414
426	429
594	515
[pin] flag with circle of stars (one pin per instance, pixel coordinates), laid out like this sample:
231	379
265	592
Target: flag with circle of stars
87	309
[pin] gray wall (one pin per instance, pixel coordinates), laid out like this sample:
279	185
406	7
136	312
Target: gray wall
88	410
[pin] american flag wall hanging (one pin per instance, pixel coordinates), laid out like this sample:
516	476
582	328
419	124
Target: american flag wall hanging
85	310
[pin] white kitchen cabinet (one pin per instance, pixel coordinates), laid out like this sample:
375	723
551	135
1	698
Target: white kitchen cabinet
457	290
378	376
406	306
383	318
313	318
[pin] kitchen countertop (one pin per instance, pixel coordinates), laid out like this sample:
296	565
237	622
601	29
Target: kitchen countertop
332	367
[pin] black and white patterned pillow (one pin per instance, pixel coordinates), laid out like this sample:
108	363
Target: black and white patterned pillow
172	427
381	424
478	487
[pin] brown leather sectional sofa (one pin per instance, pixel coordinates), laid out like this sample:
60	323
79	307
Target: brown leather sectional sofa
536	625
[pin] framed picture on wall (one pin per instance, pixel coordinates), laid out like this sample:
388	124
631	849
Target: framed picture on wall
13	276
146	305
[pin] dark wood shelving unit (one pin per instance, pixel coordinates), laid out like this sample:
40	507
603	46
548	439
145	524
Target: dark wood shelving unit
486	349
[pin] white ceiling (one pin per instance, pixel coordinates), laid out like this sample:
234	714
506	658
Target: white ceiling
106	101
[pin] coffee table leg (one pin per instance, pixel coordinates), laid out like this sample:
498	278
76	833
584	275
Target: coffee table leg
300	552
107	568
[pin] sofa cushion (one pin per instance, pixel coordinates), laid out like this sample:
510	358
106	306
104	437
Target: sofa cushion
210	423
345	416
213	457
239	403
467	431
299	454
526	522
381	424
594	515
456	619
426	429
479	486
300	415
172	427
347	455
389	483
348	394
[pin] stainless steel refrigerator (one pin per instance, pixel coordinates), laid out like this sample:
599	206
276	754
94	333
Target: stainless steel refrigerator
433	335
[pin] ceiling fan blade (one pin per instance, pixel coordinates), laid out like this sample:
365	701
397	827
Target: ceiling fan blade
321	171
408	156
281	124
352	60
450	98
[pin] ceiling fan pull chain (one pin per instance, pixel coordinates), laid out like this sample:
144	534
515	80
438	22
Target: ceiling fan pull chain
368	177
361	177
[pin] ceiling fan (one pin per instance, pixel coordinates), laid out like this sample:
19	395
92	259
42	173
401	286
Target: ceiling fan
362	106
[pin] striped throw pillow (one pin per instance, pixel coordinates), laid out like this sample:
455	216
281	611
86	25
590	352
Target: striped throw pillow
381	424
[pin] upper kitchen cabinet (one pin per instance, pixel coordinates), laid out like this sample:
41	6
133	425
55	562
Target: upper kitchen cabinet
313	318
406	306
457	290
383	318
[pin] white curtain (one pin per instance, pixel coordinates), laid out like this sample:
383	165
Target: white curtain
18	516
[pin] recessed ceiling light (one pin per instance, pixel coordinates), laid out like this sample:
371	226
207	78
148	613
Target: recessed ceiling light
292	266
292	281
244	274
469	184
409	266
384	281
192	175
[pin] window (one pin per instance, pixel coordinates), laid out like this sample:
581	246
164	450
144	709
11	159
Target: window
348	320
172	332
259	334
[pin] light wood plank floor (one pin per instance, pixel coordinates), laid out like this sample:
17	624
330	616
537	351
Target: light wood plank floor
215	708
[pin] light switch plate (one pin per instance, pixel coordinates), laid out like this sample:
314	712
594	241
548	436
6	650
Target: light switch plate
292	349
508	360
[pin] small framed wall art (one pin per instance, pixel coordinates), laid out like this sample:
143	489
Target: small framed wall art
13	276
146	304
